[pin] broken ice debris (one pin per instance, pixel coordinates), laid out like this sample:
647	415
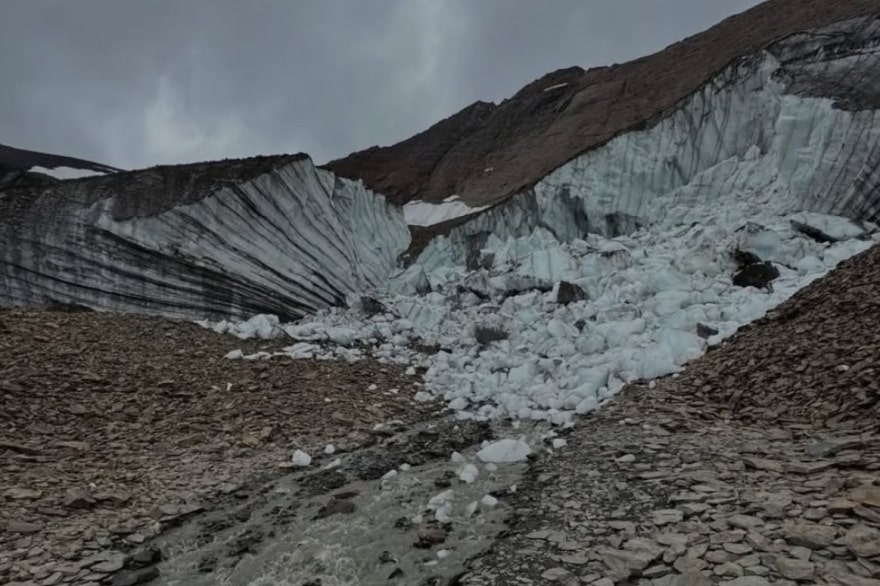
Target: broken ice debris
300	458
505	451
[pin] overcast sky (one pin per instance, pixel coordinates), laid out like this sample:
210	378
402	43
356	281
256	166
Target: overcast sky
134	83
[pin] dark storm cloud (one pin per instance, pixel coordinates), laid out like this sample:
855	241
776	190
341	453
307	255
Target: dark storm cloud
135	83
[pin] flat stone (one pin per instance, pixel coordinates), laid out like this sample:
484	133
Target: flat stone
539	535
135	577
841	506
808	468
748	581
795	569
728	570
691	509
868	513
718	556
689	578
670	539
667	516
863	541
686	565
555	574
811	535
866	494
114	564
745	521
722	537
23	527
738	548
576	559
621	561
18	493
845	578
762	464
78	499
656	571
757	570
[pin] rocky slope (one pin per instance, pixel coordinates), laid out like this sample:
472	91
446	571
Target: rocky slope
228	238
115	427
488	152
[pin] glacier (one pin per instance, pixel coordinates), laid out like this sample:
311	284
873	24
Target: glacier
765	160
216	240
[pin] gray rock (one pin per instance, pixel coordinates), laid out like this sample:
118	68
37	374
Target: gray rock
628	562
23	527
569	293
114	564
135	577
811	535
863	541
689	578
555	574
728	570
745	521
795	569
748	581
667	516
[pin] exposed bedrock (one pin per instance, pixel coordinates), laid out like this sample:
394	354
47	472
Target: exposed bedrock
796	125
224	239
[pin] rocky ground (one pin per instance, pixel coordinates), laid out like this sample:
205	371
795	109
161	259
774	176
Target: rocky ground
131	451
642	496
113	428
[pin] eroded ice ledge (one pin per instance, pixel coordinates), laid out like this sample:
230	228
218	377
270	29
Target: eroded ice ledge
224	239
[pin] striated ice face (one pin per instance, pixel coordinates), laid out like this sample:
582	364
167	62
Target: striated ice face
743	135
289	242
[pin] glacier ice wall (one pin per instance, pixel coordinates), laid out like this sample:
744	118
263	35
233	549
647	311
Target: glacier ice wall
287	241
797	125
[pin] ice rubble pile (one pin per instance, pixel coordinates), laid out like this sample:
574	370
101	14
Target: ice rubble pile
646	293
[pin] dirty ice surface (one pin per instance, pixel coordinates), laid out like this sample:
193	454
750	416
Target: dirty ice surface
541	359
420	213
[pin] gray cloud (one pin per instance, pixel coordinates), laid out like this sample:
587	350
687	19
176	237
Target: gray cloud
139	83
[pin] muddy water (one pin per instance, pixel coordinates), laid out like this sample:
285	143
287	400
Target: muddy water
348	525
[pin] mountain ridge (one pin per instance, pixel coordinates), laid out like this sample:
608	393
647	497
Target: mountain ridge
511	145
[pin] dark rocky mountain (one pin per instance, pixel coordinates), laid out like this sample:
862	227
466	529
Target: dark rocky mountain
488	152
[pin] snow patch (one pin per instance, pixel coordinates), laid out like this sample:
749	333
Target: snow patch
420	213
65	172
